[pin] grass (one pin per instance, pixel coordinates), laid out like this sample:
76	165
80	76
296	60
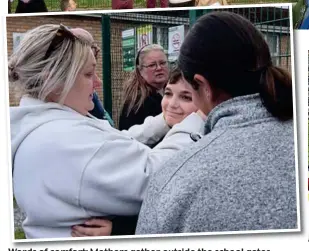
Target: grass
19	234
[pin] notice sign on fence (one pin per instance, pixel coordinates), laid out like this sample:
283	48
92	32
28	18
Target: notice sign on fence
144	36
128	49
176	36
17	37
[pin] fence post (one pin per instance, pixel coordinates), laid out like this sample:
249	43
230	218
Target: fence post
192	16
106	63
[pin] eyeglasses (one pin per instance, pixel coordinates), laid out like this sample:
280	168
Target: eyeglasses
154	66
62	33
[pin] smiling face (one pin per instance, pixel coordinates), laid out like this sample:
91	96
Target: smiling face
177	102
80	96
154	68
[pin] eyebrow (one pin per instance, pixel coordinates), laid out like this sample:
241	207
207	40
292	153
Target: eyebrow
182	92
159	61
92	67
186	92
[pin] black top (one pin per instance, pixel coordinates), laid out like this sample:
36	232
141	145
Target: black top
125	225
32	6
150	107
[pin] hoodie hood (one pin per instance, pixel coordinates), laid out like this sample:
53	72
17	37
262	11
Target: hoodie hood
31	114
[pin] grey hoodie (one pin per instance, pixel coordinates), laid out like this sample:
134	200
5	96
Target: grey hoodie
240	176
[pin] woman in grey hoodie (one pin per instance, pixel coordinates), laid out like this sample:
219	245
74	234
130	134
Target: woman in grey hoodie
241	175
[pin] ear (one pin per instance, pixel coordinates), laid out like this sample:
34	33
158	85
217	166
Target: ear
204	86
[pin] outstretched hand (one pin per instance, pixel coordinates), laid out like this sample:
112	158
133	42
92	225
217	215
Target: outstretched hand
93	227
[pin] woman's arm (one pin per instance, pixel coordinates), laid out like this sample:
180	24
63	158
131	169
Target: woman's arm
149	133
115	180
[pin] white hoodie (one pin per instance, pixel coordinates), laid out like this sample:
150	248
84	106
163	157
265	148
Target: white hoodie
68	167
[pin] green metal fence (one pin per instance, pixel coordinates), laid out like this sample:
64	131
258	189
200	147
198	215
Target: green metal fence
54	5
274	23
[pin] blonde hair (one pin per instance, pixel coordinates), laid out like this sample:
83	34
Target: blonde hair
136	89
38	77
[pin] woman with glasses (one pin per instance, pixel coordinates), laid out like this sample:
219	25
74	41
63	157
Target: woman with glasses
142	93
67	165
241	175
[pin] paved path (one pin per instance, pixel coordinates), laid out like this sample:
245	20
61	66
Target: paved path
19	217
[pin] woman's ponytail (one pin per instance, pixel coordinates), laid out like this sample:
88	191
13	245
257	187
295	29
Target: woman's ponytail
276	92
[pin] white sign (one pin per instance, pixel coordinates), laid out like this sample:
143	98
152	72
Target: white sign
176	36
128	33
17	37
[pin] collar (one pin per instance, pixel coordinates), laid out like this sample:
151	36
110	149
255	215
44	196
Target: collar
237	111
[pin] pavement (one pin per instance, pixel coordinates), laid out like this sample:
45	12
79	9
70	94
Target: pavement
19	217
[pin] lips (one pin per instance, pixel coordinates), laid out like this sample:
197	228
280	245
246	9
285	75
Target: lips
159	75
172	114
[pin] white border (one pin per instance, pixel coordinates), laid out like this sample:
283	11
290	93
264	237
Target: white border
298	229
84	12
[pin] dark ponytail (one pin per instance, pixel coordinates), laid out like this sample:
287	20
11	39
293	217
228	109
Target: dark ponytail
276	92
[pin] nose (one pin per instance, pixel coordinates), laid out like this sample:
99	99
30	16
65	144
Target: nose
173	102
159	67
97	83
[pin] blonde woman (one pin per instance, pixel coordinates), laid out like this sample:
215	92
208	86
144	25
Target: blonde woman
142	93
67	165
